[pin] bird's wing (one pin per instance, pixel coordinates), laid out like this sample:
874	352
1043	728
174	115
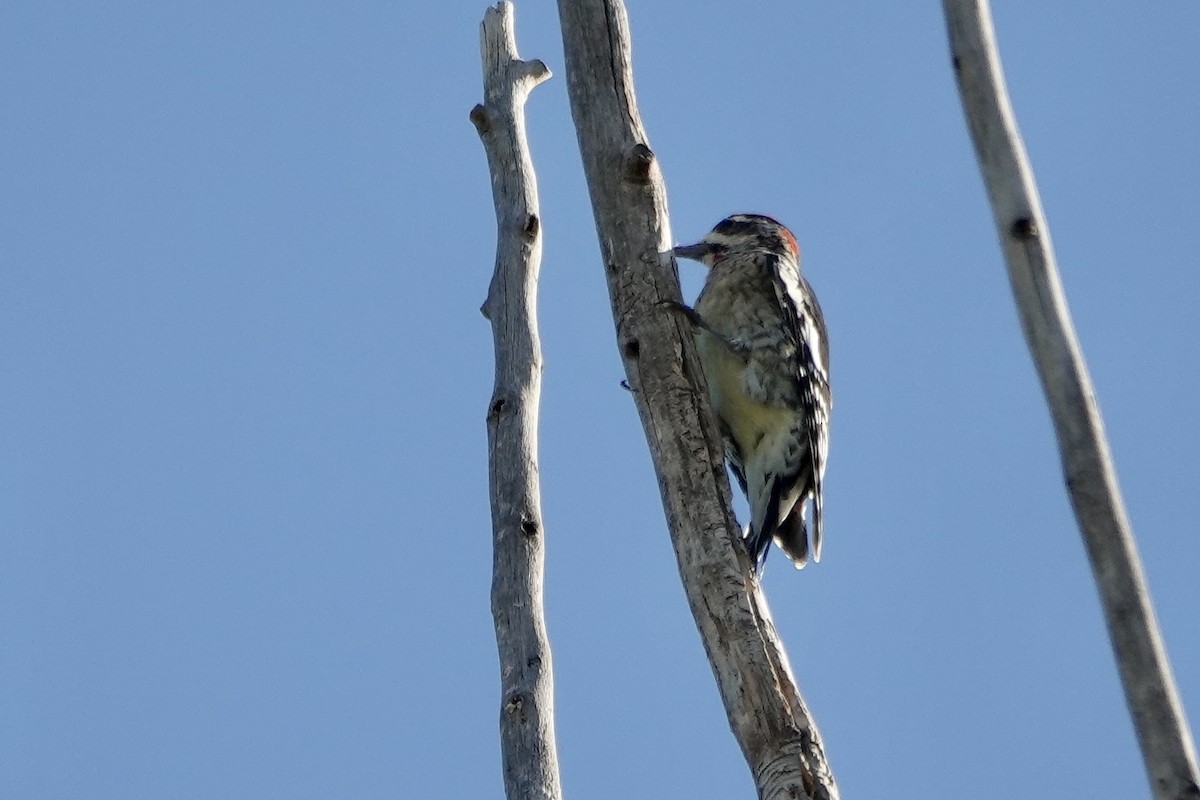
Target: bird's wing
804	324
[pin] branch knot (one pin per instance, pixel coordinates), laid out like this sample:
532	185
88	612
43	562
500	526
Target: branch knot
481	119
639	164
1025	229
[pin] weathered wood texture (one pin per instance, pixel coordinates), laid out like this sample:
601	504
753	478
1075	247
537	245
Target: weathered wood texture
529	755
1091	480
765	710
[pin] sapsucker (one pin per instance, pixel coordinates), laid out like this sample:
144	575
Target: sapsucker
761	340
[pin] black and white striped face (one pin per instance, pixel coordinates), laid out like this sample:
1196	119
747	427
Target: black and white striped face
742	233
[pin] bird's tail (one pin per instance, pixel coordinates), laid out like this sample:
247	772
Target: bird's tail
792	536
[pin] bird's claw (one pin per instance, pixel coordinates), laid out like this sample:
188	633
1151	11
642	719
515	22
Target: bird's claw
687	311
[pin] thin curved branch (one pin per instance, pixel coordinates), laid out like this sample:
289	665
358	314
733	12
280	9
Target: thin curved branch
1150	692
530	758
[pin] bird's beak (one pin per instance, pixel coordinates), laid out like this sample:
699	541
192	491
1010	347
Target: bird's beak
696	252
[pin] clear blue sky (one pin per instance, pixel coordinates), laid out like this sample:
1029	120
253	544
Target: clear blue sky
244	535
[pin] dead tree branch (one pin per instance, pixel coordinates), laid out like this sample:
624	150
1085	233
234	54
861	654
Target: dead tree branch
530	758
1150	691
777	734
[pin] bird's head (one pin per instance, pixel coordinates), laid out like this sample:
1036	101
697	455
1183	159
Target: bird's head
742	233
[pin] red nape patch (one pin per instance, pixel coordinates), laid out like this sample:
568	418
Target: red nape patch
790	238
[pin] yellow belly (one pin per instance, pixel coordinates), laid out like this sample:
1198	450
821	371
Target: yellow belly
748	420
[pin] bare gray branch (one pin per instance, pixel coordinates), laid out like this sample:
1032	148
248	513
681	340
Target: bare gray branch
1150	692
530	758
777	734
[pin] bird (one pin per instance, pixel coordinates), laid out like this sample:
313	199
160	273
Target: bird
761	339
